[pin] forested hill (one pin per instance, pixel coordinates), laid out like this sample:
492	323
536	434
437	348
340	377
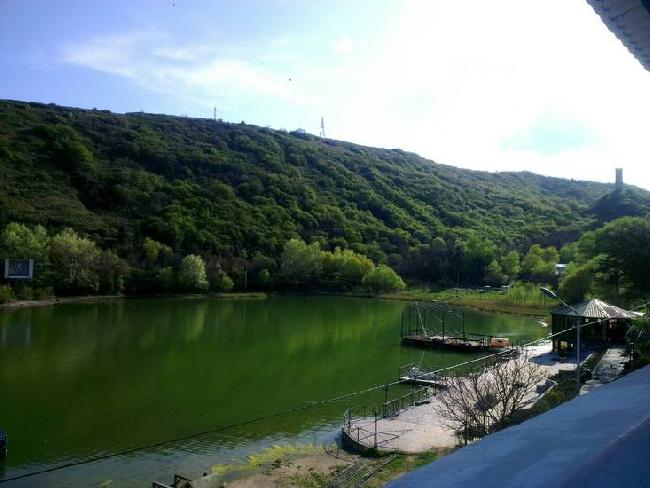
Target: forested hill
235	191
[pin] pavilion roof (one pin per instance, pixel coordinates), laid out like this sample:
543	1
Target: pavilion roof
595	309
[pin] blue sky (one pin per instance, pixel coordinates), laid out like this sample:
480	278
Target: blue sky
509	85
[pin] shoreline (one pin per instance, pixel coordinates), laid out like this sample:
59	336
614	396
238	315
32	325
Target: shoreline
45	302
491	306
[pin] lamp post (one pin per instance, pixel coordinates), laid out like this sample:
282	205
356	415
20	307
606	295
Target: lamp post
553	296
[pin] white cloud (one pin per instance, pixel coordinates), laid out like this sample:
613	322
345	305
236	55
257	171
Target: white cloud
457	87
343	45
196	73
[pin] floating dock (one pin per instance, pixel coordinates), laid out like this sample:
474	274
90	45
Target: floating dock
428	325
454	343
414	375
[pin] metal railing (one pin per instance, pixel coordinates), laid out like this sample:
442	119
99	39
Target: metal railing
393	407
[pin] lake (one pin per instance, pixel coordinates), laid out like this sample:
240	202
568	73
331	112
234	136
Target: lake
82	380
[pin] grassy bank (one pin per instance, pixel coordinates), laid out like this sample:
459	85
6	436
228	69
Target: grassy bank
521	298
310	466
102	298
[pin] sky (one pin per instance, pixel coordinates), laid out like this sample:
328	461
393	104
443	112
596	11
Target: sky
511	85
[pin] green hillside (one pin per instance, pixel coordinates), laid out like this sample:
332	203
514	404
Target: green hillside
237	193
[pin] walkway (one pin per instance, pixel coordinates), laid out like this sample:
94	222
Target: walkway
610	367
421	428
595	440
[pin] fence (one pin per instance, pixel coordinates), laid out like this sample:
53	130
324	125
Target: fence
179	482
361	432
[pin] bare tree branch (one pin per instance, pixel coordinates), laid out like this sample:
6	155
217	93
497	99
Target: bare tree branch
479	402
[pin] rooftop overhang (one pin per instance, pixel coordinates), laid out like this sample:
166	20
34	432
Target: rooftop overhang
594	309
630	21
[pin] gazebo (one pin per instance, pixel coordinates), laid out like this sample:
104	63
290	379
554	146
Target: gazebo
611	327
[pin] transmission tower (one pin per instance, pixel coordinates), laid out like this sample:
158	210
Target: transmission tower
214	113
322	127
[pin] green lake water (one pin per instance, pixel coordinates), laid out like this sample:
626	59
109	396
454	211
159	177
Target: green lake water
83	380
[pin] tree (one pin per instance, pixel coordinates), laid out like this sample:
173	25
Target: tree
225	283
345	269
263	278
68	150
577	283
19	241
191	273
539	263
477	254
383	279
154	251
495	272
532	259
477	403
551	255
510	264
301	264
75	262
626	243
112	271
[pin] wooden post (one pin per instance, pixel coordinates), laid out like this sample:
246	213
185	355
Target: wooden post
409	319
375	429
424	319
464	337
385	399
3	444
443	324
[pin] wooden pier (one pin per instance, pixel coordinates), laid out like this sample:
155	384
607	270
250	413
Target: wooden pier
415	375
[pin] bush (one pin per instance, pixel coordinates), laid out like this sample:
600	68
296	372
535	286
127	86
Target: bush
43	293
577	284
6	294
25	293
526	294
225	283
191	274
383	279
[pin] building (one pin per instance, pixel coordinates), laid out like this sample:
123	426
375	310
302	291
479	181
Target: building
619	179
613	323
598	440
629	20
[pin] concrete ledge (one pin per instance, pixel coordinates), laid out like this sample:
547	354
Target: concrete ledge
601	439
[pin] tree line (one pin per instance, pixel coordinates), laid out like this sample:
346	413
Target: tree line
66	263
611	262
